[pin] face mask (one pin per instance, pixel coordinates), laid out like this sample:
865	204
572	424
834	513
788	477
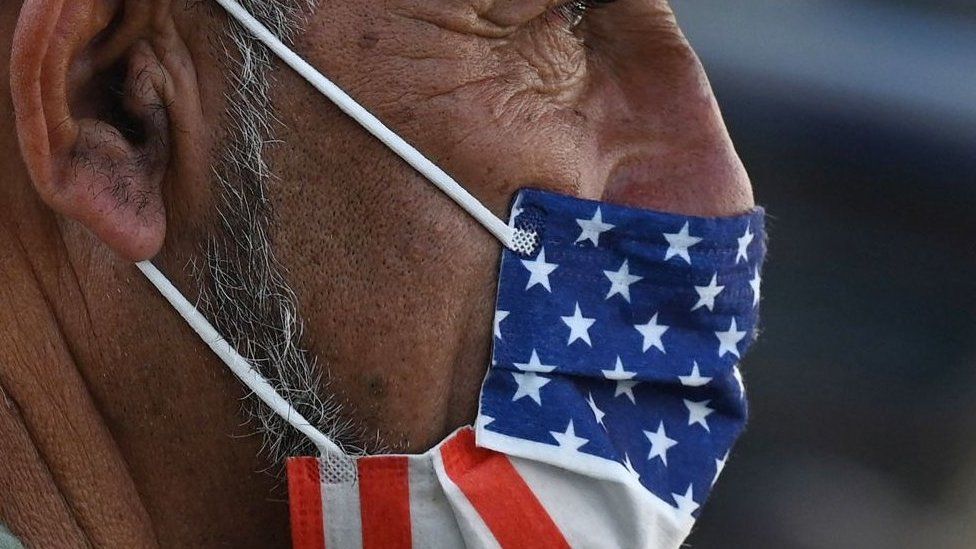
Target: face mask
613	395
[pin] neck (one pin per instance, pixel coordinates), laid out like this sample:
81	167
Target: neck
55	418
117	420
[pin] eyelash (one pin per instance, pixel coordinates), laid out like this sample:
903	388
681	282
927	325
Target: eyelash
575	11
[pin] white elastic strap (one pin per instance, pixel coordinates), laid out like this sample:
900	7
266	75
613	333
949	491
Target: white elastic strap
348	105
238	364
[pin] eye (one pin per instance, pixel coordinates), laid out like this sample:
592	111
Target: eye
574	12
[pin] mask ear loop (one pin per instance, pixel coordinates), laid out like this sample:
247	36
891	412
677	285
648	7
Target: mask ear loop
237	364
502	231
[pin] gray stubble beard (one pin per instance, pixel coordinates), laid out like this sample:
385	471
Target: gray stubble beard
244	289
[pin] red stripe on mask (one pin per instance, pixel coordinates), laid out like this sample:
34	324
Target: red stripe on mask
305	504
384	500
499	494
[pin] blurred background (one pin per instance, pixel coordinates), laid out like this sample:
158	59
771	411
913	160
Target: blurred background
857	121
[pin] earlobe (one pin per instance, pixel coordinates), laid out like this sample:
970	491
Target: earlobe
90	102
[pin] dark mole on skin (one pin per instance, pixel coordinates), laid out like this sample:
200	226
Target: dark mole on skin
368	40
377	387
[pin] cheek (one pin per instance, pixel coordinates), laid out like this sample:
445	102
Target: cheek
385	269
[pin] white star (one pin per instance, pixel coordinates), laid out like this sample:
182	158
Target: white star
529	382
578	326
540	271
630	467
528	386
707	294
737	374
660	443
678	244
697	412
568	441
719	467
597	412
620	281
685	504
652	332
744	242
624	379
695	379
535	365
728	341
499	317
593	228
756	283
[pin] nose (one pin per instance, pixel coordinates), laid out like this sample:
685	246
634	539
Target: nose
661	142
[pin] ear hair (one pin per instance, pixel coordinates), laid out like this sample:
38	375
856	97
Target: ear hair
92	120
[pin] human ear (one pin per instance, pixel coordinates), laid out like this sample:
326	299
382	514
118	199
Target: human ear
91	100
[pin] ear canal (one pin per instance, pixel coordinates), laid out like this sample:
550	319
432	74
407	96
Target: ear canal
144	106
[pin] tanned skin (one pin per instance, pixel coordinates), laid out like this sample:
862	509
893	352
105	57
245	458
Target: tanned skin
117	426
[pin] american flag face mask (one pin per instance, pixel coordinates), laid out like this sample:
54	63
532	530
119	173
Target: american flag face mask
612	399
608	411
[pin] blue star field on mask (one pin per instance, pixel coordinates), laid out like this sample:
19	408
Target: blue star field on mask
619	339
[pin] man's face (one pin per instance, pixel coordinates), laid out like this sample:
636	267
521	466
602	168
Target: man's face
142	129
395	282
151	122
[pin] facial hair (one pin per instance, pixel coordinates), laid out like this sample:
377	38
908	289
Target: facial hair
244	291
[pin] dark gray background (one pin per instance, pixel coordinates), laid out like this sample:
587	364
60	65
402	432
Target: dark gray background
857	121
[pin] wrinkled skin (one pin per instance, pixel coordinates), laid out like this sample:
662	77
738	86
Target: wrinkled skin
116	425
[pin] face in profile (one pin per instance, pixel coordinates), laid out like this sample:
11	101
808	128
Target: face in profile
161	130
506	96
